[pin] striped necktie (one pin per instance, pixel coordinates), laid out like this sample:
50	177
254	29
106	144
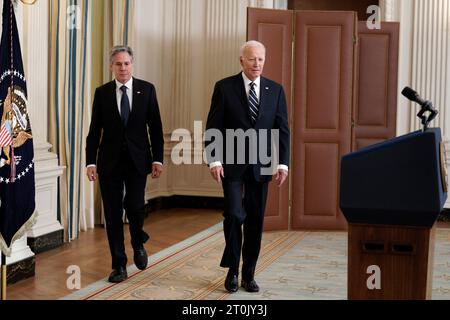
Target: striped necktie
253	102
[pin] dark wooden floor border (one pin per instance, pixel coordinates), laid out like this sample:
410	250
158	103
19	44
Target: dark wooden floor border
184	202
216	203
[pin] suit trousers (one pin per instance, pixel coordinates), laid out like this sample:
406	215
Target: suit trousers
114	202
245	202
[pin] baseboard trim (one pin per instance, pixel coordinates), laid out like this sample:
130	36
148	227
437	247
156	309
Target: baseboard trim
46	242
444	215
185	202
20	270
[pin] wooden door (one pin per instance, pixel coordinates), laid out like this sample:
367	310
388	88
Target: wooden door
376	89
323	91
360	6
274	28
339	100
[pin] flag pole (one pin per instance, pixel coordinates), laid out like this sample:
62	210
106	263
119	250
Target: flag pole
3	257
3	292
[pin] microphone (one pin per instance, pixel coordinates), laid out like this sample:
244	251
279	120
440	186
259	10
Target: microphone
413	96
426	105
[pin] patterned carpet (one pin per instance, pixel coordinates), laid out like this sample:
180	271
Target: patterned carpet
292	266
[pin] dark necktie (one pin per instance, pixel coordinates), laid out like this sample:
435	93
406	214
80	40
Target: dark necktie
253	102
124	106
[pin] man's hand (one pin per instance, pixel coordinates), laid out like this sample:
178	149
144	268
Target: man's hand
91	173
156	170
280	176
217	173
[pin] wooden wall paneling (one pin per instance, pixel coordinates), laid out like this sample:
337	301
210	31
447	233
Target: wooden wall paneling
360	6
376	84
323	88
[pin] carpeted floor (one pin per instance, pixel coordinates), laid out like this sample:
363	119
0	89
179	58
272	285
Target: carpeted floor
292	266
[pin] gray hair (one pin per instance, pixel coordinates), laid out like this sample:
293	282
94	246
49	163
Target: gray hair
250	44
117	49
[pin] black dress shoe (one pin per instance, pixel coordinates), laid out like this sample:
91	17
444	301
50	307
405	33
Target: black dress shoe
250	286
118	275
140	258
231	282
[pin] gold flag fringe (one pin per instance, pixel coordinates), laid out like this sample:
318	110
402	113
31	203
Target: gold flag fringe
30	222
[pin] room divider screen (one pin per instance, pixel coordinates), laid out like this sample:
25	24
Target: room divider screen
340	80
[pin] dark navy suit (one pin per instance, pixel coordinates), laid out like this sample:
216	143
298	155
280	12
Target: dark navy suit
245	188
124	156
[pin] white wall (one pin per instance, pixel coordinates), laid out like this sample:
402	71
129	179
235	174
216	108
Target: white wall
424	61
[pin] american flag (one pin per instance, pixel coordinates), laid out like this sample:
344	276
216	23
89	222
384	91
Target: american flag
5	137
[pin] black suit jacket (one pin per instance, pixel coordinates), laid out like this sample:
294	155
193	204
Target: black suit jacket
230	110
107	134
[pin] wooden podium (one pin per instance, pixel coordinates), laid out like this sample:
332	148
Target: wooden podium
404	256
391	196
